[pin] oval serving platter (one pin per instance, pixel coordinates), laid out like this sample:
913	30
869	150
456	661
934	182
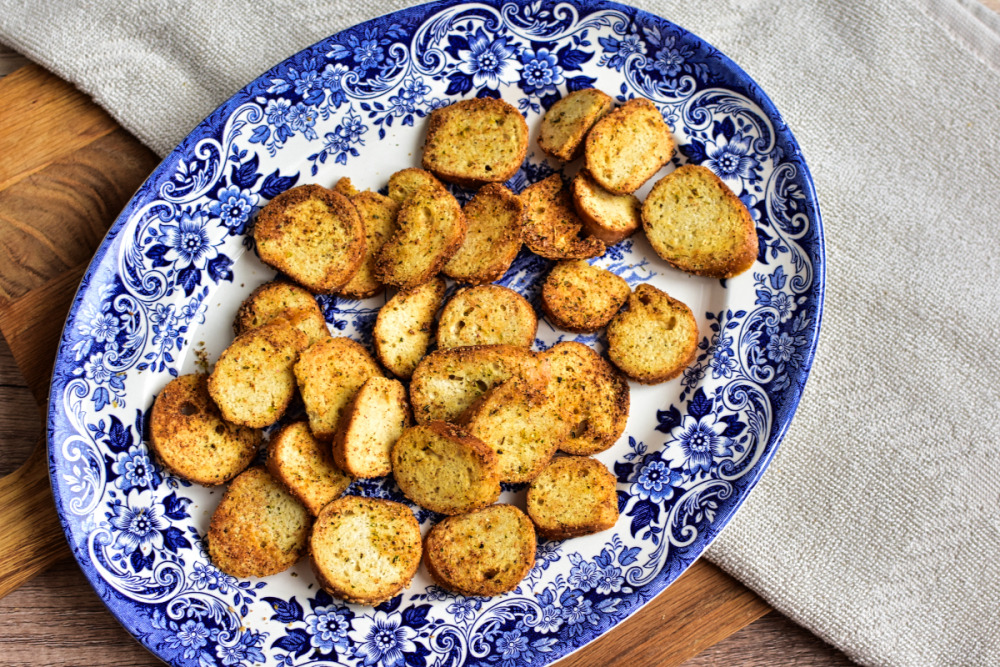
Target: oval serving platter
159	298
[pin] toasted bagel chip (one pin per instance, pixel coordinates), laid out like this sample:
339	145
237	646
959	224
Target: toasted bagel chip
567	122
430	229
577	296
487	315
304	466
252	382
279	298
496	220
573	495
484	553
626	147
259	528
190	438
371	425
404	324
378	216
446	382
405	183
444	469
474	142
365	550
695	222
551	226
605	215
329	374
655	338
312	235
592	394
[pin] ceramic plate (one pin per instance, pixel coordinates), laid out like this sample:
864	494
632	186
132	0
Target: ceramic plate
160	296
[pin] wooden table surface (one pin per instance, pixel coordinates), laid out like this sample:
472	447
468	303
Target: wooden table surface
57	619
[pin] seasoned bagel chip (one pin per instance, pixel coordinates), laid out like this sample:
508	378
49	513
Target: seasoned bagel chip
444	469
484	553
446	382
655	338
605	216
329	374
312	235
430	228
405	183
521	423
365	550
583	298
190	438
567	122
626	147
371	425
304	466
474	142
695	222
259	528
573	495
282	299
496	220
487	315
551	226
378	216
403	327
592	395
252	382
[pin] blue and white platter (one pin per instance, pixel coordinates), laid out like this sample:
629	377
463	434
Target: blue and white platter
160	295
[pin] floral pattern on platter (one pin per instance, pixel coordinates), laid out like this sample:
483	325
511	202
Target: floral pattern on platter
694	448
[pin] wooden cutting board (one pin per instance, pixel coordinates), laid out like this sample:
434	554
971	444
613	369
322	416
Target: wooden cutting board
66	170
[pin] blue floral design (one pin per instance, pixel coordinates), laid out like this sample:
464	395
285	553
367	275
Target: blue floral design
383	639
135	470
697	444
617	51
656	480
246	650
192	636
329	626
138	522
234	207
490	62
732	158
541	71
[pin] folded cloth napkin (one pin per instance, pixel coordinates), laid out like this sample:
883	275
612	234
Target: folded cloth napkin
878	524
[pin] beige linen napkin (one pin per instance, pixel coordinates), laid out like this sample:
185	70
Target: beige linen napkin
878	524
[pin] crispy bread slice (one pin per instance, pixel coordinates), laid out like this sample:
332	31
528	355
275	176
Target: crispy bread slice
496	221
551	226
567	122
583	298
371	425
312	235
605	216
444	469
521	423
431	227
190	438
487	315
484	553
474	142
655	338
403	327
378	216
252	382
303	464
282	299
626	147
329	374
365	550
258	528
405	183
446	382
694	221
592	395
574	495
